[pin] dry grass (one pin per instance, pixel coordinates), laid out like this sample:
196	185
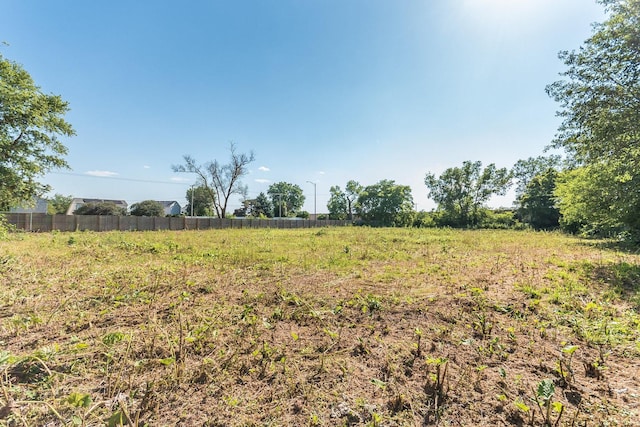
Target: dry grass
346	326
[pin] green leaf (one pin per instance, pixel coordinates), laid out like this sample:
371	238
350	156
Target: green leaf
522	406
379	383
502	372
570	349
546	389
79	400
557	406
112	338
167	361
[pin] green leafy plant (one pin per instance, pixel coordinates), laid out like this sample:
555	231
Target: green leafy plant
544	399
525	409
565	368
482	325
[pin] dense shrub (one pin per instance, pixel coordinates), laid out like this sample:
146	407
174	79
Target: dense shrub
147	208
102	208
424	219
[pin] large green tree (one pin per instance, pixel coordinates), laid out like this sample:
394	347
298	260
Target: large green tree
202	202
30	124
352	191
599	99
535	180
386	203
341	204
537	203
58	204
337	203
462	192
286	198
588	200
220	180
525	170
261	206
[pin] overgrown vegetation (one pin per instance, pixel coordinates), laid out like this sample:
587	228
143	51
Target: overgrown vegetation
345	326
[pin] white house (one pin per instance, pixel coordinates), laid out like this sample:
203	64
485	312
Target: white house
171	207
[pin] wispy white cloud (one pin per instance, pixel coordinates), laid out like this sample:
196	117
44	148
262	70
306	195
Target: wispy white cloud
179	179
264	169
321	173
146	167
262	181
101	173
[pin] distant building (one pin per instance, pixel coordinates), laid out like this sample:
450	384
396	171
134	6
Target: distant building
40	206
76	203
171	208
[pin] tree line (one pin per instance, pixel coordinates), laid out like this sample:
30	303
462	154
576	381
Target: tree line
594	189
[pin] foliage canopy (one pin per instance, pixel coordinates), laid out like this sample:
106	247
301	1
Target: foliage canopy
30	123
286	198
386	203
202	202
58	204
599	99
341	204
461	192
537	205
535	180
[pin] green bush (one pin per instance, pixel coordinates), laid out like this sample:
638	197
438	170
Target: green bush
424	219
147	208
102	208
500	219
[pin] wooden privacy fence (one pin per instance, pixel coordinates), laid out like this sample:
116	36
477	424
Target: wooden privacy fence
44	223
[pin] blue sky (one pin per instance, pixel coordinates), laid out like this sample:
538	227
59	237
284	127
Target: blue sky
321	90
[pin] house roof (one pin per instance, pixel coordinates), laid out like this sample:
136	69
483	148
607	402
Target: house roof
166	204
38	205
116	202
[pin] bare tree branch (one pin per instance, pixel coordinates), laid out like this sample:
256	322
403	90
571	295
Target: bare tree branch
221	181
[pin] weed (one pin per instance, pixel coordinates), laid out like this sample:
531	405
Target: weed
543	397
417	349
565	367
437	386
525	409
482	325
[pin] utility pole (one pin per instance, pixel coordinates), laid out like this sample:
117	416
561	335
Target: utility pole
192	191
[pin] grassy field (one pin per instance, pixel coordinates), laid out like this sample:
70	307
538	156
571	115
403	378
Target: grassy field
343	326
